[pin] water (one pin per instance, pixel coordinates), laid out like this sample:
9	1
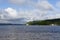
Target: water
23	32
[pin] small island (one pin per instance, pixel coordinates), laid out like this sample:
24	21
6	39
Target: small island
45	22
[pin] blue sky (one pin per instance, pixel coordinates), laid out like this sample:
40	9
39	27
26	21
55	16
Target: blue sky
29	10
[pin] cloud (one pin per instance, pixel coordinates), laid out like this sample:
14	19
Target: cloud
42	10
33	3
40	7
11	12
8	13
45	5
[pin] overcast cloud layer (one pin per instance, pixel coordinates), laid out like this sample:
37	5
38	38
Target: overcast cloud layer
35	10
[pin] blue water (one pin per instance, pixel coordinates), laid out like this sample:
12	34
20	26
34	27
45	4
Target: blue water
33	32
30	28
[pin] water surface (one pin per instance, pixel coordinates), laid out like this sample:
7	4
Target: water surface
23	32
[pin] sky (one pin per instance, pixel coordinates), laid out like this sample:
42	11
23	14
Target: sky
22	11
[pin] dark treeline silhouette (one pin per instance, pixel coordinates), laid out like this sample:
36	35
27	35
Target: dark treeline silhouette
10	24
45	22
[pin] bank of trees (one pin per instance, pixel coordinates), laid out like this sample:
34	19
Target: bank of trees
45	22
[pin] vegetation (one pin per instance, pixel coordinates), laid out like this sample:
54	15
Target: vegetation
45	22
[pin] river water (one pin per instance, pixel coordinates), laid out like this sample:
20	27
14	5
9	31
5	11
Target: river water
32	32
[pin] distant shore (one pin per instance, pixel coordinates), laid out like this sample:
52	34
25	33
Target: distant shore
10	24
45	22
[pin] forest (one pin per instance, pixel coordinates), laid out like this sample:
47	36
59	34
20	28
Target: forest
45	22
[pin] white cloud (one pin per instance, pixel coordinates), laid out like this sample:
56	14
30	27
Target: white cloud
8	13
42	10
35	14
29	15
34	3
11	12
44	5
